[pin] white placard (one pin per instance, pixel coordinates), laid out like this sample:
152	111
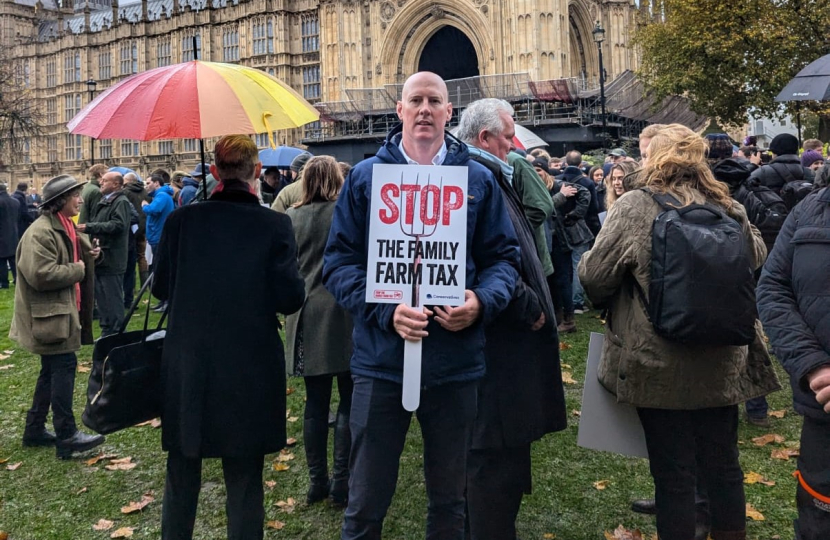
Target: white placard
417	235
605	424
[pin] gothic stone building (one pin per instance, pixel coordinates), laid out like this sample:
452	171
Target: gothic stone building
323	48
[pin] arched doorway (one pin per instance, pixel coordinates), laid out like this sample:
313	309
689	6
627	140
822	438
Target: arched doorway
450	54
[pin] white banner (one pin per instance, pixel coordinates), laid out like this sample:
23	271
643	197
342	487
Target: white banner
417	235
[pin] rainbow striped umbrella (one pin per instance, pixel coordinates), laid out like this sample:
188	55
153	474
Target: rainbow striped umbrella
193	100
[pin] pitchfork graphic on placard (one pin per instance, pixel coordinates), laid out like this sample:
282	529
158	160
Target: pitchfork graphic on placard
418	230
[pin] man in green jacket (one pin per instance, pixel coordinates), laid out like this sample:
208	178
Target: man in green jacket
91	193
53	313
537	203
110	225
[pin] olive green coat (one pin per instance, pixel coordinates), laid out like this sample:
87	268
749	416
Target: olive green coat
326	328
640	367
537	204
46	318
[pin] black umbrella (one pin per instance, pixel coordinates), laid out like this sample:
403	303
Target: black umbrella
811	84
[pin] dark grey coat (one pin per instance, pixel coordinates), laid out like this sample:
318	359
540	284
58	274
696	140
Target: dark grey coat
326	327
227	267
792	297
9	209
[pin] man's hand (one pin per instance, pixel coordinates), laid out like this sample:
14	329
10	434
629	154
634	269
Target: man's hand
144	203
568	191
81	227
95	252
459	318
410	323
540	323
820	384
755	158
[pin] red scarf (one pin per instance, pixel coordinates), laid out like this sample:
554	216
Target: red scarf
69	227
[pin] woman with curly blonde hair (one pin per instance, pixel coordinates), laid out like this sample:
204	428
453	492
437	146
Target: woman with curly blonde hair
686	394
621	178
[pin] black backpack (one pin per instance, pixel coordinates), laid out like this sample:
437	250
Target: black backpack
702	289
764	208
794	192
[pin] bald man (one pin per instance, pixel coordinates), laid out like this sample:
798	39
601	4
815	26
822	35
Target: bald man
453	338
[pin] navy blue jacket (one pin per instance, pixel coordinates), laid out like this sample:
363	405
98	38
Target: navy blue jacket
188	192
492	259
574	175
792	297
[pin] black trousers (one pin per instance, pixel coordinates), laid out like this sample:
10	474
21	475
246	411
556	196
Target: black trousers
379	424
318	396
561	281
813	521
4	274
129	275
496	481
55	386
244	506
689	448
109	296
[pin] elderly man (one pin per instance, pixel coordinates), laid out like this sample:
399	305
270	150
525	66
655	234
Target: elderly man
53	313
521	397
453	338
225	290
110	225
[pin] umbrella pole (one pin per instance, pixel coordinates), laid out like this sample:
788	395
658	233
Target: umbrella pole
798	122
204	173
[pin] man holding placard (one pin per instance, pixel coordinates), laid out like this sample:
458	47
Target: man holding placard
419	225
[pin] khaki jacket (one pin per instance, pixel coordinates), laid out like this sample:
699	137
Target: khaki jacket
640	367
46	318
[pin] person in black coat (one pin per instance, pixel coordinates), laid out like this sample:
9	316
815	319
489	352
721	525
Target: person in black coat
785	167
793	305
521	397
24	218
9	209
226	267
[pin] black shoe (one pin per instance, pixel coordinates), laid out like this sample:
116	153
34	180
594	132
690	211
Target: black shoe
317	491
42	438
760	421
161	308
644	506
79	442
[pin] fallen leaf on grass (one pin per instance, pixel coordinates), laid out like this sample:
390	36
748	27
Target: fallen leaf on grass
281	467
601	484
123	532
275	525
621	533
7	366
567	378
293	419
4	356
270	484
576	413
4	535
123	464
83	369
764	440
753	514
777	414
289	391
287	413
15	466
134	507
285	456
565	366
291	441
287	506
564	346
82	490
3	460
755	478
8	351
154	423
549	536
103	525
92	461
785	453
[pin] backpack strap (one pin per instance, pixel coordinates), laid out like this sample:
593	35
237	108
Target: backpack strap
825	195
666	201
786	176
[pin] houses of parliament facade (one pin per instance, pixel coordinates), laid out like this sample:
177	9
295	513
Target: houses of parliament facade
322	48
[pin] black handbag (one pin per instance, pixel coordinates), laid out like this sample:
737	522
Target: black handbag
124	386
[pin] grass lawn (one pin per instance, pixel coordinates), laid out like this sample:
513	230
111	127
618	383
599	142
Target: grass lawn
48	499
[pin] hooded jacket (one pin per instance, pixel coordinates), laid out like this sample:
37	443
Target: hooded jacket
188	192
792	297
135	193
492	259
157	212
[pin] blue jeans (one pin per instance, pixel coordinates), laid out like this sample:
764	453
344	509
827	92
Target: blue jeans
379	425
579	293
757	407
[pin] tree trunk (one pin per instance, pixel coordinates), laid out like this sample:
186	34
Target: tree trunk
824	127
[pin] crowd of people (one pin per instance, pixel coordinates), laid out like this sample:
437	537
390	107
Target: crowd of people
231	246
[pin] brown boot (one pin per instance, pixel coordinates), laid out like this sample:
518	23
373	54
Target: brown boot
568	325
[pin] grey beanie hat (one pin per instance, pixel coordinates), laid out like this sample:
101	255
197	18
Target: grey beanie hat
299	162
